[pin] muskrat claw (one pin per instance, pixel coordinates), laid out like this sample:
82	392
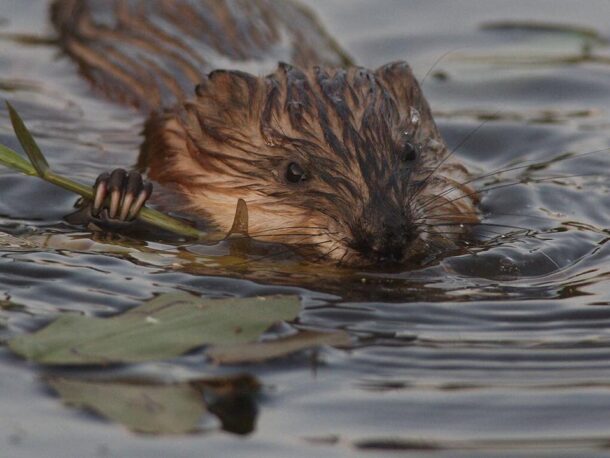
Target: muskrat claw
118	197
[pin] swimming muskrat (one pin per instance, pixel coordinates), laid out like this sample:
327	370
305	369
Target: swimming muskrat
331	158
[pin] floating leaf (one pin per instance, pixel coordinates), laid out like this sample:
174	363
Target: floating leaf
261	351
162	328
12	242
153	408
543	43
585	33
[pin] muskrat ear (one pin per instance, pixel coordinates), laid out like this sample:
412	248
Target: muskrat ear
227	92
398	78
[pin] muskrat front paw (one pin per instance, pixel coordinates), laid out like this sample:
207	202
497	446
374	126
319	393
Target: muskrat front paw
118	197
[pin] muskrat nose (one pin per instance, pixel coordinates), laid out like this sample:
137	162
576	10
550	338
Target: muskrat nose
384	243
390	245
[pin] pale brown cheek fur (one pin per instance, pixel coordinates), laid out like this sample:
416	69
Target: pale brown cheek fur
212	196
215	195
270	221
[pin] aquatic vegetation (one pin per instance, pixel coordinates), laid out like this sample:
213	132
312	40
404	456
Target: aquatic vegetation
40	167
164	327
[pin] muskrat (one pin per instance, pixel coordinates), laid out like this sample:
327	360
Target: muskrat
331	158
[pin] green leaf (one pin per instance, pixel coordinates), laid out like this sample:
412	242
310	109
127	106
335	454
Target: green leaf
11	159
261	351
28	143
162	328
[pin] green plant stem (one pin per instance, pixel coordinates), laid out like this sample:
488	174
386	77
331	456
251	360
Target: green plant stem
13	160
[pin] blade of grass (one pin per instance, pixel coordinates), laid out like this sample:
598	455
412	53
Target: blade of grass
12	160
27	142
40	167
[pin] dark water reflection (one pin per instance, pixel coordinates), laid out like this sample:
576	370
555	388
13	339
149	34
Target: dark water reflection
504	350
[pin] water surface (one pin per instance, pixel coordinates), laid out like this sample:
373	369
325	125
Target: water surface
503	350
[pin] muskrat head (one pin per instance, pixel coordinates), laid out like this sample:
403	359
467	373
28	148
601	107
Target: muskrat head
346	164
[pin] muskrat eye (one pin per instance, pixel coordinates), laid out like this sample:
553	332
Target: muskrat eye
409	152
295	173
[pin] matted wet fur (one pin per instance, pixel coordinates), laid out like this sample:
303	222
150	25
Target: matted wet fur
376	183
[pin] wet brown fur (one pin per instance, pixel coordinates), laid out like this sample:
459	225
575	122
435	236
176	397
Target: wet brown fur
351	129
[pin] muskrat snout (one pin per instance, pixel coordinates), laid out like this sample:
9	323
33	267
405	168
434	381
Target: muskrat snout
383	240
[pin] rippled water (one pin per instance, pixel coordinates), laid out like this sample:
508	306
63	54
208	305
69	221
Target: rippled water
503	351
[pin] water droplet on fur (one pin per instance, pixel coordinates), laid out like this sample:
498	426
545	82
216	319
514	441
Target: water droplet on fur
414	116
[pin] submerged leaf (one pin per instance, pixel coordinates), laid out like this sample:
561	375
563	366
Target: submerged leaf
162	328
152	409
176	408
261	351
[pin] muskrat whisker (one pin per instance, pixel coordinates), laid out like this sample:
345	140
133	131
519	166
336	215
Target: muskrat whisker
340	262
430	231
325	255
508	226
515	236
524	165
448	155
279	253
434	232
441	249
549	258
502	239
464	183
286	227
437	61
318	234
304	235
451	215
506	185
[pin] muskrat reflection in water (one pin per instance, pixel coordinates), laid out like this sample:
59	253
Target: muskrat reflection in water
338	161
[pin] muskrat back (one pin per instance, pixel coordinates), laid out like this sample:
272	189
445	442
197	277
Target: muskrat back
153	53
337	160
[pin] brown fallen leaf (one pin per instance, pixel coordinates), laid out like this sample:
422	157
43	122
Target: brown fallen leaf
262	351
